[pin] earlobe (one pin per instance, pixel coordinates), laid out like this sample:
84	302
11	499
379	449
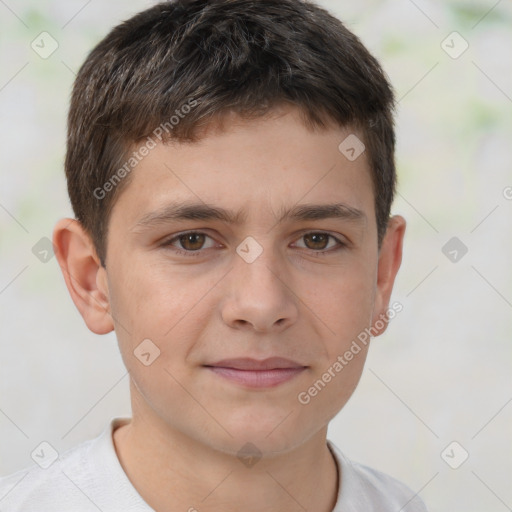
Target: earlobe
390	258
85	277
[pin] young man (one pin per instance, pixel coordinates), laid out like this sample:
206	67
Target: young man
231	168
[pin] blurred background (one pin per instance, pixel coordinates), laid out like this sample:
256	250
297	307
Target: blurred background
434	405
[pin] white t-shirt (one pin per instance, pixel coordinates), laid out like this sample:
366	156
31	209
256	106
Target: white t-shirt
89	477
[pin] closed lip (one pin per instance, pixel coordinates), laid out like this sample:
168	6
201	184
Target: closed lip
245	363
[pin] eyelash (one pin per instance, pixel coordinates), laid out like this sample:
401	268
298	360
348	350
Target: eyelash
325	252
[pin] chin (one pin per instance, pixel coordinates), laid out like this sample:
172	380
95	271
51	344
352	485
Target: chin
271	432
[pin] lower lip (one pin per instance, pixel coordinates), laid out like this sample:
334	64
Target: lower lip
257	378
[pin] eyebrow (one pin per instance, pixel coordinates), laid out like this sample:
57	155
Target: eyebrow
202	211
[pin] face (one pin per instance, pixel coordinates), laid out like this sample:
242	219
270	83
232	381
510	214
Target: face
258	242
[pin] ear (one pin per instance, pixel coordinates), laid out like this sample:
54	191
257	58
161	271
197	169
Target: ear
390	258
85	277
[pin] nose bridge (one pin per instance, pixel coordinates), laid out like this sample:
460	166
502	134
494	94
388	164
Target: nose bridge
259	263
259	293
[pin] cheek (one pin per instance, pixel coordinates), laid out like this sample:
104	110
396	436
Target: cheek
343	301
345	309
153	297
331	388
154	302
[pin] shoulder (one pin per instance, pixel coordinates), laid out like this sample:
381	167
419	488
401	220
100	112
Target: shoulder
86	478
54	488
366	488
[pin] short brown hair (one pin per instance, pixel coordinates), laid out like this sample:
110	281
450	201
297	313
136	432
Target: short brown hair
219	56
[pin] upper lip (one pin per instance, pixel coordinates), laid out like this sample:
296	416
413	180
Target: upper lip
245	363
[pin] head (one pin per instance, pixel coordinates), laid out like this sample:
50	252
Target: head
219	215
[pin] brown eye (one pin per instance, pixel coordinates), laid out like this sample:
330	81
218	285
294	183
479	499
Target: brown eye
320	243
192	241
317	241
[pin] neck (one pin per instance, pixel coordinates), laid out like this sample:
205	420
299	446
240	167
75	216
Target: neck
174	472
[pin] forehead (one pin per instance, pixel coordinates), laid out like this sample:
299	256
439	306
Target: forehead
269	162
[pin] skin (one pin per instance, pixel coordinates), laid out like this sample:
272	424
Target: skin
303	298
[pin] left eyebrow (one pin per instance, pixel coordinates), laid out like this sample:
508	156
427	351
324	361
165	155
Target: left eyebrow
201	211
323	211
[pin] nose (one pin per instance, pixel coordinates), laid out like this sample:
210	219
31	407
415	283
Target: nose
260	296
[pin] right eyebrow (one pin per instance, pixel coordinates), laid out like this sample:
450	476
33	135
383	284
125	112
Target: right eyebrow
188	211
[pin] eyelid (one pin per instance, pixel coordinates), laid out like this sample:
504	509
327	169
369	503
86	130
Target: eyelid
167	243
340	244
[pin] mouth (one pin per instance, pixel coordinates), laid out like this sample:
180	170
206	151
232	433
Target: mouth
255	373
